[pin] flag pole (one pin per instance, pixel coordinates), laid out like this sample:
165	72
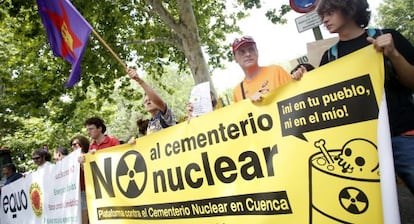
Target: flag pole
109	49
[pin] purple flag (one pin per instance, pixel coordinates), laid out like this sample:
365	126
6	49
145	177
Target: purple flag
68	33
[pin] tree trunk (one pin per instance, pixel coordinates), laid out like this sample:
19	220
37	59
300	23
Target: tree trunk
196	61
191	44
186	29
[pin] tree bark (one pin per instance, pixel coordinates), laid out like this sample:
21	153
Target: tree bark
187	32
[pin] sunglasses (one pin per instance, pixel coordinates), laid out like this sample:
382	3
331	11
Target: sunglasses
75	144
35	158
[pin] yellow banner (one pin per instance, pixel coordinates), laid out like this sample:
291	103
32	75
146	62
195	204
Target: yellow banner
306	154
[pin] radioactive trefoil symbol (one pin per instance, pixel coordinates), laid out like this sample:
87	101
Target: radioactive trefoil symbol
131	174
353	200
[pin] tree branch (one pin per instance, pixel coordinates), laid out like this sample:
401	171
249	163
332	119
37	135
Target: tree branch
171	41
164	14
187	17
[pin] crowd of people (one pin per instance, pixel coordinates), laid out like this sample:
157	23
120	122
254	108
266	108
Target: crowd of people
349	20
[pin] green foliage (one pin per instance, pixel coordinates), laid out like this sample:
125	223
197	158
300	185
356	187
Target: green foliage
399	15
276	16
128	110
227	97
36	108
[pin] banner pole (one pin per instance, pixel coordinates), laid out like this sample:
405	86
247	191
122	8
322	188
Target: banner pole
389	192
109	49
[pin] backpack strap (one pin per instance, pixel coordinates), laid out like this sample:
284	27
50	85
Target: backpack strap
242	90
390	72
374	32
333	51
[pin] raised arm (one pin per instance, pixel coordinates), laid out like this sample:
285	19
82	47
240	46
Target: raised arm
149	91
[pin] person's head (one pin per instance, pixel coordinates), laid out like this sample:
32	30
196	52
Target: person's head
39	157
337	13
245	52
8	169
48	156
95	127
142	125
149	105
80	142
189	108
60	152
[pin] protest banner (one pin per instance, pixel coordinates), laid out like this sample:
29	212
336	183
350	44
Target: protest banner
49	195
307	153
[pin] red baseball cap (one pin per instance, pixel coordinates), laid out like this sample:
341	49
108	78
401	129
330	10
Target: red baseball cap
238	42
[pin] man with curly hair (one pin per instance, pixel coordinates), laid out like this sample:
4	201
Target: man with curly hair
349	19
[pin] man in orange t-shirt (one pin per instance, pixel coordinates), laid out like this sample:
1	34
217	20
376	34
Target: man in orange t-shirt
258	80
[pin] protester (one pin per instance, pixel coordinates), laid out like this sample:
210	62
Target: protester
142	125
96	130
10	172
258	80
39	157
161	115
348	19
189	109
48	157
80	142
59	153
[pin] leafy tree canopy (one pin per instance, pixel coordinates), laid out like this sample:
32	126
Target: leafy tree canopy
399	15
165	40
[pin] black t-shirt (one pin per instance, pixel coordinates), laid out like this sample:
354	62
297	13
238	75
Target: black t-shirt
400	99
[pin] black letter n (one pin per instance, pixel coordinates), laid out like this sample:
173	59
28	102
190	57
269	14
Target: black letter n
98	178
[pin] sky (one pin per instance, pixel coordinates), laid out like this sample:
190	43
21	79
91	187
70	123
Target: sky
277	44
